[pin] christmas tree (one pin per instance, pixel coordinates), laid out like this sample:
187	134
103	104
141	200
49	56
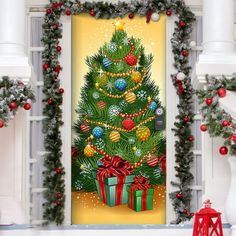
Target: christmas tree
119	113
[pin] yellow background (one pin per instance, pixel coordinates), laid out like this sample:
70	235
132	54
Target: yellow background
88	35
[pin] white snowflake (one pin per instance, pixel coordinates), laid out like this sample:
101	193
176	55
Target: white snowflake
109	86
142	95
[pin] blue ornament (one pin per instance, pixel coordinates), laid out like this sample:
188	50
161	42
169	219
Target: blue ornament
120	84
153	106
106	62
97	132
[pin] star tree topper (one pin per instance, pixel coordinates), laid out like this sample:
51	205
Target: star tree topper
119	25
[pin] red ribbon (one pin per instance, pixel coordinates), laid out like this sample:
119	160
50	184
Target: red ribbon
113	167
140	183
162	161
180	86
148	16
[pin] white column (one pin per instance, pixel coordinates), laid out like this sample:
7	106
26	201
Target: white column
13	60
218	54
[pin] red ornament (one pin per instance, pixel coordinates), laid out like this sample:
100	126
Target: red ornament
58	170
27	106
61	90
131	15
209	101
128	124
13	105
101	105
223	150
207	221
92	13
59	195
57	69
185	211
203	128
232	138
85	128
162	161
148	16
169	13
225	123
1	123
179	195
190	138
221	92
131	60
74	152
58	48
186	119
68	12
182	24
49	11
45	66
50	101
55	26
184	53
152	160
58	203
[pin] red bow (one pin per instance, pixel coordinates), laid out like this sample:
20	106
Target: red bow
140	183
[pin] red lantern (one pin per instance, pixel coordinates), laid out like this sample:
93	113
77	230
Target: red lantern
207	221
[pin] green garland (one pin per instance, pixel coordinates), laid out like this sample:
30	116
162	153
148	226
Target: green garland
218	122
53	175
13	94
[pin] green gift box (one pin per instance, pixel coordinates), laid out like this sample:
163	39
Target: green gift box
112	190
139	201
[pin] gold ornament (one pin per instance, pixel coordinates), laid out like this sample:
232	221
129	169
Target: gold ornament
143	133
102	80
136	77
119	25
130	97
115	136
88	151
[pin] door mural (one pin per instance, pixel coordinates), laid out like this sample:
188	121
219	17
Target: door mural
118	112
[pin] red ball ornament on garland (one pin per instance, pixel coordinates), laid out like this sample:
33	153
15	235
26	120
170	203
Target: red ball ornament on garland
186	119
225	123
179	195
182	24
92	13
59	195
45	66
49	11
128	124
57	69
58	48
61	90
58	170
27	106
131	15
68	12
184	53
190	138
203	128
1	123
13	105
55	26
185	211
223	150
221	92
50	101
209	101
169	13
131	60
58	203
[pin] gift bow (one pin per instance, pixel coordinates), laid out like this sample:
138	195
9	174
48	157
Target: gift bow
140	183
113	167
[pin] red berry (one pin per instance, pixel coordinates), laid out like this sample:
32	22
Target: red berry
27	106
203	128
225	123
57	69
131	15
49	11
61	90
45	66
179	195
58	203
185	211
68	12
182	24
58	48
221	92
184	53
223	150
1	123
209	101
13	105
186	119
59	195
92	13
58	170
190	138
168	12
50	101
55	26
